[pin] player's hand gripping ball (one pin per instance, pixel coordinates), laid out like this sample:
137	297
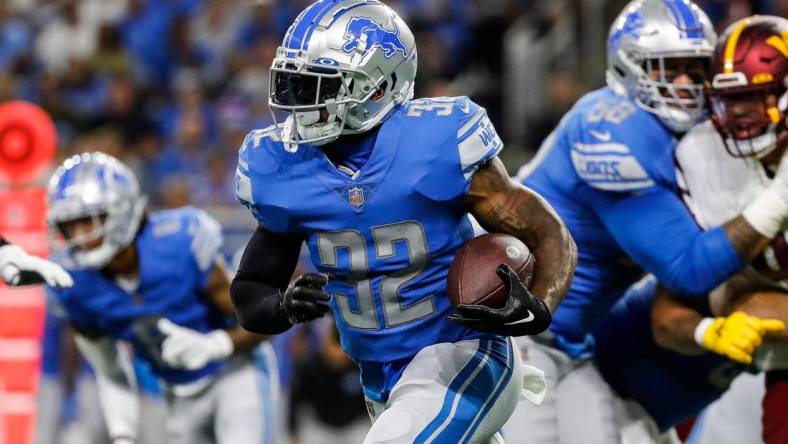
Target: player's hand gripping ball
488	285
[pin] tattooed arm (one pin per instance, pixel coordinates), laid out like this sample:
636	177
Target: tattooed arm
503	206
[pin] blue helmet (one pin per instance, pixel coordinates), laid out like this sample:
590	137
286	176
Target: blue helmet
100	187
645	34
334	58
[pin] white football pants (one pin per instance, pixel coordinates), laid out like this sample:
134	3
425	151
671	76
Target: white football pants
579	407
239	407
455	393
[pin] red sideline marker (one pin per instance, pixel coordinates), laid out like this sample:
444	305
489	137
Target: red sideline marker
28	140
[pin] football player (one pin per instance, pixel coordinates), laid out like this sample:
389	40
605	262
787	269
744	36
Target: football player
717	182
731	160
380	186
154	281
679	358
18	268
608	170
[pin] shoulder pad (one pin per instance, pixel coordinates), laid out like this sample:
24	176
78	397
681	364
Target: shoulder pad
623	149
256	137
478	141
436	106
205	235
252	154
252	149
611	109
168	223
193	227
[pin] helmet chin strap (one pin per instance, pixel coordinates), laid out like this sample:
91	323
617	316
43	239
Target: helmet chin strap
774	114
307	125
765	143
678	120
289	130
760	146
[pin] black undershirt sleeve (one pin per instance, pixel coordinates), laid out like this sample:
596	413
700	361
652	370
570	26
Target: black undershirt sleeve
3	241
267	264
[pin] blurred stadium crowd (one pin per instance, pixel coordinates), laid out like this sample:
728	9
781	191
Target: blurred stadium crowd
171	87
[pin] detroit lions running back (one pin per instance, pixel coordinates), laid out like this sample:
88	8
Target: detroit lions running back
154	281
379	187
608	170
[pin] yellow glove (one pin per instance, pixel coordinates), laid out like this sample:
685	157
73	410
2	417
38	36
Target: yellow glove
736	336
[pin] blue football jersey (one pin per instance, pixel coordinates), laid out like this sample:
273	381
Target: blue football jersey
387	234
51	344
608	171
177	250
671	386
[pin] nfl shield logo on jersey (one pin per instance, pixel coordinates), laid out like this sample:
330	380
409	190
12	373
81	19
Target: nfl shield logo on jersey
356	196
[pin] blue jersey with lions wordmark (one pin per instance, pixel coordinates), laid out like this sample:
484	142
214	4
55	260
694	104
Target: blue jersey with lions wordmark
608	170
671	386
387	235
177	250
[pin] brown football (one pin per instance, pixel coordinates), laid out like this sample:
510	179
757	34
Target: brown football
472	275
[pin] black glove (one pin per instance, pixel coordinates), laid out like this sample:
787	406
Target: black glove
523	314
305	298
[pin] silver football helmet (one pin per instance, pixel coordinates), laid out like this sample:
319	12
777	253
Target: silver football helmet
334	58
94	186
645	34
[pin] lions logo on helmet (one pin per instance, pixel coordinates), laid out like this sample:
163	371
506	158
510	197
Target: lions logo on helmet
98	187
364	34
333	60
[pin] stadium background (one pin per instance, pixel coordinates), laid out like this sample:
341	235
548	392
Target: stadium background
171	87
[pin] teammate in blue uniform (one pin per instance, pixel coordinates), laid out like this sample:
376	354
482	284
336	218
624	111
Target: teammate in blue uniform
156	282
723	165
67	398
608	170
379	186
666	374
669	385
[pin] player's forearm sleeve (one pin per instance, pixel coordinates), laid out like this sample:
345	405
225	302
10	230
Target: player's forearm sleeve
116	386
3	241
659	233
266	266
257	307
